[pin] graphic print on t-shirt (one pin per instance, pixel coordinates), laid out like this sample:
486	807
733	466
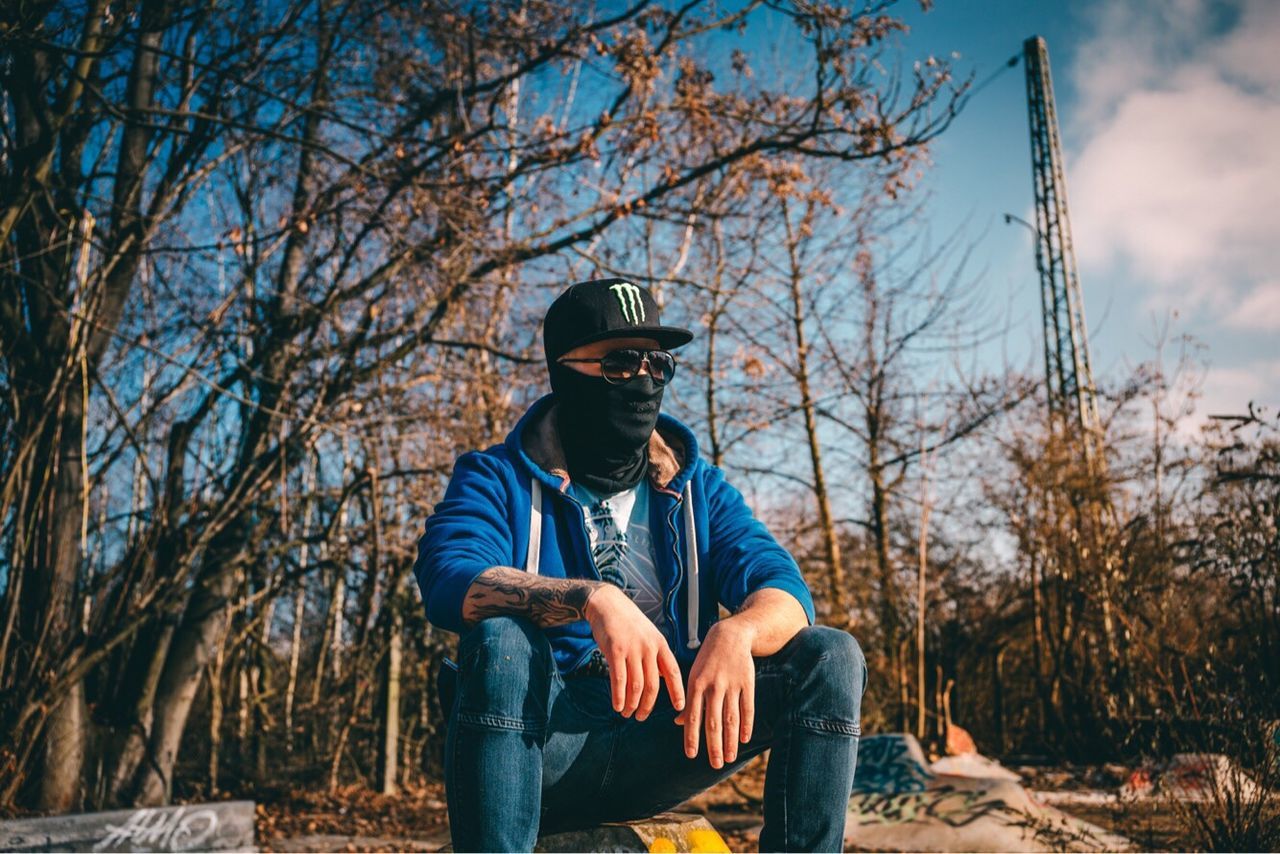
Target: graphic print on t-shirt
622	547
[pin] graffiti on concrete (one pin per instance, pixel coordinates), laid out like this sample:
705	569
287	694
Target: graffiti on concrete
947	809
162	830
885	765
898	803
945	803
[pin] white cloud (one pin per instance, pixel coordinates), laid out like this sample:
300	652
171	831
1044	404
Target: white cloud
1175	175
1229	391
1260	310
1131	45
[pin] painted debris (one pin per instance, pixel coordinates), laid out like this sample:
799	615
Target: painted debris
959	741
1192	777
964	760
900	803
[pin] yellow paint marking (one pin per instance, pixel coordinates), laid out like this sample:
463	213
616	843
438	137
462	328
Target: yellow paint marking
706	842
662	845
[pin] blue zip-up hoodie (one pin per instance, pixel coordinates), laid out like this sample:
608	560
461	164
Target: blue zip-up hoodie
486	519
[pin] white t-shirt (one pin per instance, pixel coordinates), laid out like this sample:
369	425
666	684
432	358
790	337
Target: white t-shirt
622	546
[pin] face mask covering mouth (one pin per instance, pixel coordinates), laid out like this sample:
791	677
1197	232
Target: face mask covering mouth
605	428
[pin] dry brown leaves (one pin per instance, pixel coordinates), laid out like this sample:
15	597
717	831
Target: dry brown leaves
352	811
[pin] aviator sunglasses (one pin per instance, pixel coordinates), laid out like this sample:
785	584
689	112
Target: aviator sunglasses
622	366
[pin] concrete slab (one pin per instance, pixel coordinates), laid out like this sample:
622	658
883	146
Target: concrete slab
974	765
221	826
898	803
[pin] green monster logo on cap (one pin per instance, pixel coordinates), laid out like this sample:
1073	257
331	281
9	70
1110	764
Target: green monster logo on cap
629	301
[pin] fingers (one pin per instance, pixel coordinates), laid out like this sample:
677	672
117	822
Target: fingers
714	726
692	720
670	670
748	703
636	672
652	684
635	683
618	680
732	711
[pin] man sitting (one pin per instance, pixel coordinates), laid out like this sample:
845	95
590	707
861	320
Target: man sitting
584	562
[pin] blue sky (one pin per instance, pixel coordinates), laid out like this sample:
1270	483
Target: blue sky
1170	115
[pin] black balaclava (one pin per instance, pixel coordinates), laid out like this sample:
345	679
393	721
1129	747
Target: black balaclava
605	428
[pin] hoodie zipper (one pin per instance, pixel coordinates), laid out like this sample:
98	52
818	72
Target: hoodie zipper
681	569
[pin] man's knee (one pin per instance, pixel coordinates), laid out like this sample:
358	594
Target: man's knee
832	664
509	634
836	652
505	670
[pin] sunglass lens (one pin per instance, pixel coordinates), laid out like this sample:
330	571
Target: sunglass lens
662	365
621	365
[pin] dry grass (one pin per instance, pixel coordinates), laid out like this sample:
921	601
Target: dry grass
1237	813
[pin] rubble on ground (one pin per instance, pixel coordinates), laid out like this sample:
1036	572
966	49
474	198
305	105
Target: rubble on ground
1192	777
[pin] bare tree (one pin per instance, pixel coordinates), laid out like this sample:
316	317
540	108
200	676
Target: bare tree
334	207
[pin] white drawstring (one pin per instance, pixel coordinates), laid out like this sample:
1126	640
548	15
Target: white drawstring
691	561
535	527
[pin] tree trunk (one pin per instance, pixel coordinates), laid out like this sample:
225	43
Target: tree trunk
713	425
60	787
62	774
939	700
880	543
997	699
295	655
142	679
830	540
199	635
391	709
923	564
215	716
335	622
262	720
904	685
713	329
150	651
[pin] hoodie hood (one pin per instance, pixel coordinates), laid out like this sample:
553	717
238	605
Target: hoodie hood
535	442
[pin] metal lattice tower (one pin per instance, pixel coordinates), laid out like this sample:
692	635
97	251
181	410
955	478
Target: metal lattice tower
1071	392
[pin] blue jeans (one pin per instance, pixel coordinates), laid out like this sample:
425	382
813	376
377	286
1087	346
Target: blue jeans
529	751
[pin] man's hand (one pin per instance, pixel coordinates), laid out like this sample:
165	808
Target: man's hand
637	653
722	692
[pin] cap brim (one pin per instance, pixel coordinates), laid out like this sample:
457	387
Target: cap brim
668	337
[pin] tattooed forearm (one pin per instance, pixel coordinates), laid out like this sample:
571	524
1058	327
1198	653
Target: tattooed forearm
543	601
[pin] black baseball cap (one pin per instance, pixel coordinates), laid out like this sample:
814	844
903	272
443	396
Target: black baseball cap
605	308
